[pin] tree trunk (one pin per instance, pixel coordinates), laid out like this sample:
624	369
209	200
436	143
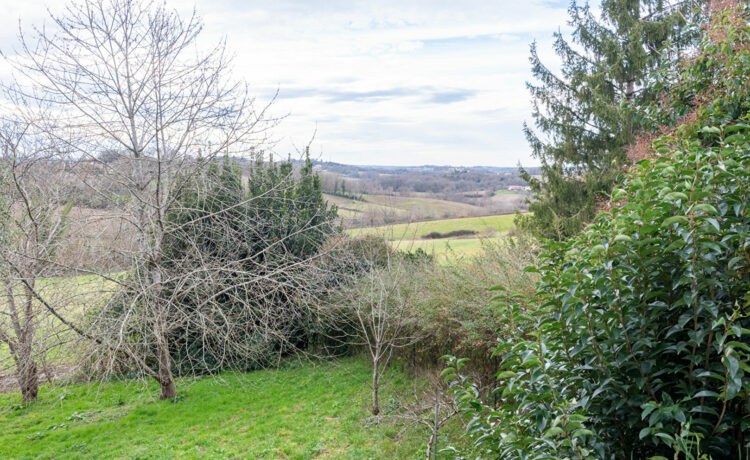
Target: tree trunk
630	90
26	371
435	428
375	383
166	380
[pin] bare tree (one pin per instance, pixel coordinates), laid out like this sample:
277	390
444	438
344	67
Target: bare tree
33	218
374	312
130	76
234	264
431	406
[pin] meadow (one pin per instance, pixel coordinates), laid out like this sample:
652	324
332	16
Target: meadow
375	209
411	236
484	226
448	250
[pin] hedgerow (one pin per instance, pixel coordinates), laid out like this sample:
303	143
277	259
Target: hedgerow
640	343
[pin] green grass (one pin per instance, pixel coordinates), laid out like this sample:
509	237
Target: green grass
486	226
311	410
446	250
506	192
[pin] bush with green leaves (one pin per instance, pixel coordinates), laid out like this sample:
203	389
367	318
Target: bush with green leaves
640	346
451	305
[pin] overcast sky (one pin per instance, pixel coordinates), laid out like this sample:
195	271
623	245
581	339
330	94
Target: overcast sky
383	82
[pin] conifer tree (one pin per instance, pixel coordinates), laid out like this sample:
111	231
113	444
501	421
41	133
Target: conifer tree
584	115
268	230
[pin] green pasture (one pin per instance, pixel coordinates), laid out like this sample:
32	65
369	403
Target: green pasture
484	226
447	250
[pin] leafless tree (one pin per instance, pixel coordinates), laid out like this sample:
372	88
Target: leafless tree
374	312
131	76
431	406
33	220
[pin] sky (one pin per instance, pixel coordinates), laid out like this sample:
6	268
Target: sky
384	82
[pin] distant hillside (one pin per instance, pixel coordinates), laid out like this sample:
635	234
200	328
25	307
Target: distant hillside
368	195
461	184
355	170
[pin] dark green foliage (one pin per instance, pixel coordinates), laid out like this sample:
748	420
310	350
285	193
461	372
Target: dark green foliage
345	258
451	234
583	124
641	342
250	252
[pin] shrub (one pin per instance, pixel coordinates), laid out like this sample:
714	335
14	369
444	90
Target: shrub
451	234
446	307
450	306
640	344
236	262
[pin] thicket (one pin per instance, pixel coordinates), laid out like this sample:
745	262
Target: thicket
405	308
257	237
446	304
639	344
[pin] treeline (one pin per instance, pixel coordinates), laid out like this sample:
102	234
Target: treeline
455	184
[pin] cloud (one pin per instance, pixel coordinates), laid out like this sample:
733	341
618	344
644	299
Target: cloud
333	96
393	81
449	97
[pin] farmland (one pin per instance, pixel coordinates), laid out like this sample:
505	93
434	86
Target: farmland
411	236
448	250
377	209
484	226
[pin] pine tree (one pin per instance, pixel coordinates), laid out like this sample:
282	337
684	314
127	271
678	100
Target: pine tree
584	116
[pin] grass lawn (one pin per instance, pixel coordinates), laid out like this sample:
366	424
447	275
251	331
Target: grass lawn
486	225
299	411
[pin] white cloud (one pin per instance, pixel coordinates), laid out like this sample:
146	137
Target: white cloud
386	82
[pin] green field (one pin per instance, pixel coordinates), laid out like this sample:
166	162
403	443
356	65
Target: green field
300	411
447	250
347	206
72	296
484	226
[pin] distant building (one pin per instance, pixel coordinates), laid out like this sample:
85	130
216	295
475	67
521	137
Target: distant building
519	188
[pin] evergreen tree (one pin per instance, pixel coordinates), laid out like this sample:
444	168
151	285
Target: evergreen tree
262	231
583	118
